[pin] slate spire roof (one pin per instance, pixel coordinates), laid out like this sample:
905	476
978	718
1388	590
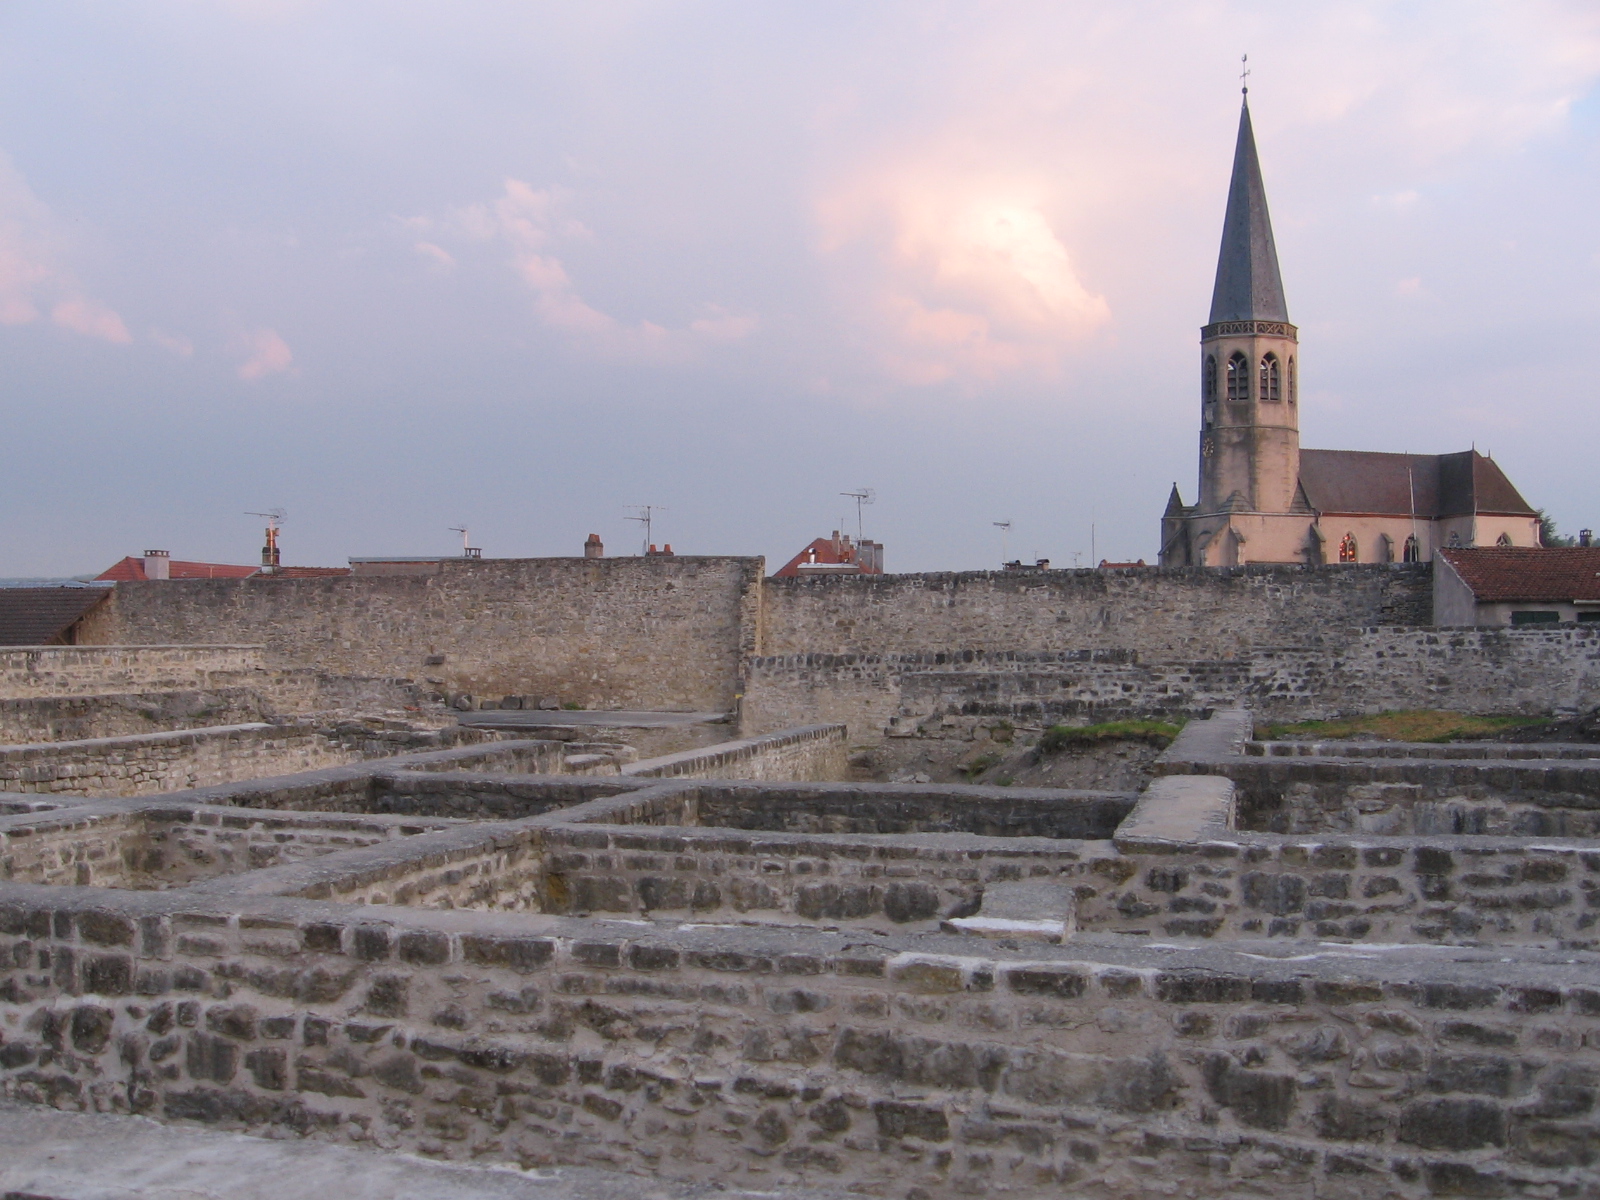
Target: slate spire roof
1248	284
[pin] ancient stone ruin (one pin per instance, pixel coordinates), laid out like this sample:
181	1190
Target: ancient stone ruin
269	863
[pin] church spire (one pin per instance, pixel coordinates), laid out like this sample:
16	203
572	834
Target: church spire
1248	284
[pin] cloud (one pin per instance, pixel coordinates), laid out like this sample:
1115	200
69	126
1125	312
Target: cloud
266	354
91	319
437	255
32	279
962	279
175	342
532	223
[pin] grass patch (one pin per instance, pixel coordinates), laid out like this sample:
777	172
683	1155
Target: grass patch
1423	725
981	764
1076	737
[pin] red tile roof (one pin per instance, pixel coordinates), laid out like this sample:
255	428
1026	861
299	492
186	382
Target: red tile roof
1514	574
132	568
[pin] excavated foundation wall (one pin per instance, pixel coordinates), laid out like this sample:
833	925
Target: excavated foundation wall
888	1066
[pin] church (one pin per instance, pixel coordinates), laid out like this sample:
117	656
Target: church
1262	498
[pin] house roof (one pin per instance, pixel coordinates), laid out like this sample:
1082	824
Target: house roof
1512	573
1248	285
1429	485
131	568
40	616
836	552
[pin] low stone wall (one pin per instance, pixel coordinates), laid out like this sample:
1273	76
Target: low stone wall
813	752
93	670
882	1065
163	762
124	714
163	845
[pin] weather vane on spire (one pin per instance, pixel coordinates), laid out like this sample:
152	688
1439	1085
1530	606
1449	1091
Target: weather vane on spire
1244	74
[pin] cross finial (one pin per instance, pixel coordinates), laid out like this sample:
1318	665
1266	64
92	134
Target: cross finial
1244	74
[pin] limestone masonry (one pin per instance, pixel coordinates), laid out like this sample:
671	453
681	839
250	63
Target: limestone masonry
327	859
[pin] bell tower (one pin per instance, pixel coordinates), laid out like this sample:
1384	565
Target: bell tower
1249	368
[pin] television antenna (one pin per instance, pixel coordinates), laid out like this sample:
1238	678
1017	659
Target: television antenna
645	514
1005	540
274	517
862	497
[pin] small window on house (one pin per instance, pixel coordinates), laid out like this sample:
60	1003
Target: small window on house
1271	387
1413	551
1503	541
1589	614
1455	541
1347	549
1528	616
1238	379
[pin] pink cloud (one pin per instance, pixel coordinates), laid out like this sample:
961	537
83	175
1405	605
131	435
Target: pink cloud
32	279
91	319
267	354
533	223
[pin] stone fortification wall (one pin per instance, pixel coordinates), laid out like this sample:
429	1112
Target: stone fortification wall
663	633
884	1065
27	671
1167	614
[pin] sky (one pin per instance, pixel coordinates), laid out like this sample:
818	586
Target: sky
395	267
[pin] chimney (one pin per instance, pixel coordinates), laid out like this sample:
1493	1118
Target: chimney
594	548
157	564
269	552
1585	537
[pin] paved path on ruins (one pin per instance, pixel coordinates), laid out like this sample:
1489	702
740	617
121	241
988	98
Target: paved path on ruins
513	718
50	1155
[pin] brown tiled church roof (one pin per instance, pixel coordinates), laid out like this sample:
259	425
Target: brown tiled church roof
1439	485
42	616
1512	573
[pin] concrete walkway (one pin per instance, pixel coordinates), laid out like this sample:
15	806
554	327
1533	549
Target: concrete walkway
50	1155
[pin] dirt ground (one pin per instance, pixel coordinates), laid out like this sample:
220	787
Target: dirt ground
1004	756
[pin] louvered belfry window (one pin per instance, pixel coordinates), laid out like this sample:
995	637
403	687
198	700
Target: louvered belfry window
1271	384
1238	379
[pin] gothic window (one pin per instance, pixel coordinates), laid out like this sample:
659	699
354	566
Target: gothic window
1385	548
1455	541
1503	540
1271	389
1292	396
1208	380
1347	548
1238	379
1413	551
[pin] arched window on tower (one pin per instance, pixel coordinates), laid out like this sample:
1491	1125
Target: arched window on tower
1413	551
1238	379
1271	388
1503	541
1208	378
1347	549
1293	396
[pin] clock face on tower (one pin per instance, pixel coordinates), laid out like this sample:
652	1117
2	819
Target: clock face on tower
1208	446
